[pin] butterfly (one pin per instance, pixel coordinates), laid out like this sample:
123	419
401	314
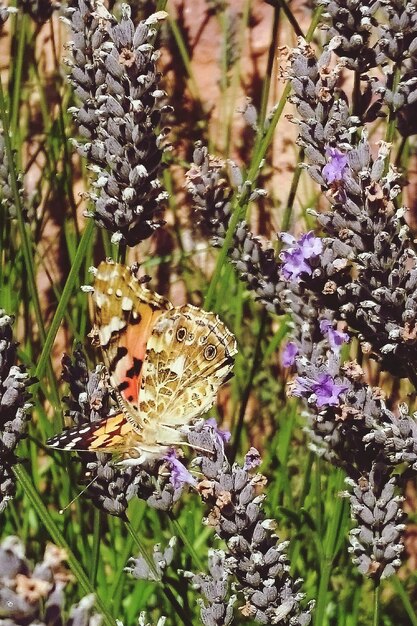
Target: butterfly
165	365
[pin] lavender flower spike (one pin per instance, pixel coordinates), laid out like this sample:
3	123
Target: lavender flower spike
14	407
121	110
252	555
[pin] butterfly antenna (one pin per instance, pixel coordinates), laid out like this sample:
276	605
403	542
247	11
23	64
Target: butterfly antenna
62	511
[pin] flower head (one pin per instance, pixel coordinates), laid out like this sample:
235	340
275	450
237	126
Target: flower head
336	337
289	353
223	435
334	170
325	389
295	259
310	245
179	473
252	459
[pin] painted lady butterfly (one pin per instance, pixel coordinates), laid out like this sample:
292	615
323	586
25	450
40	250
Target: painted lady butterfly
165	363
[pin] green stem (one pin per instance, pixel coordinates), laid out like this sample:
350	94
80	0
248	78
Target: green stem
180	532
398	586
266	85
291	195
329	551
167	591
142	550
377	591
257	357
95	556
26	247
59	540
282	4
66	293
193	87
17	73
264	140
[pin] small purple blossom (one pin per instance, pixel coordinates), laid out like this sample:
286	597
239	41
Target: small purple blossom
336	337
252	459
223	435
334	170
179	473
296	257
326	390
294	264
289	353
310	245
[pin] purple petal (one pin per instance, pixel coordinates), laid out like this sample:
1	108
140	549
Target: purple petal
310	245
252	459
294	264
289	353
336	337
302	387
335	169
327	391
179	473
223	435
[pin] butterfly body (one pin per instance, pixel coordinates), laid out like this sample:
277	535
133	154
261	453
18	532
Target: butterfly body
165	365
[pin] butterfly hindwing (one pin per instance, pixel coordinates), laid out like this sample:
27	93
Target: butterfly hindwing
189	355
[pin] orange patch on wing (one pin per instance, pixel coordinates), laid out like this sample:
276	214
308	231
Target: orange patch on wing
110	434
128	370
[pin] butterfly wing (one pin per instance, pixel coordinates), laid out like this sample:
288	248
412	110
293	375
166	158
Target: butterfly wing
189	355
125	313
112	434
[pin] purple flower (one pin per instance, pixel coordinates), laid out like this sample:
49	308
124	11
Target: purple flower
294	264
296	257
179	473
289	353
223	435
336	337
310	245
334	170
326	390
252	459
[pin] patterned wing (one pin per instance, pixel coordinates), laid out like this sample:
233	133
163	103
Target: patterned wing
111	434
189	355
125	313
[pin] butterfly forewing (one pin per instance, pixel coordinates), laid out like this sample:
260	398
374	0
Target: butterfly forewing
111	434
125	313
